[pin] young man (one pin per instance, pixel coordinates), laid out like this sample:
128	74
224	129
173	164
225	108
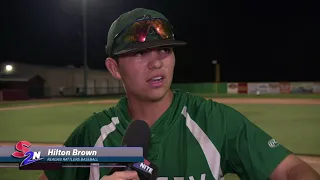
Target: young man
191	137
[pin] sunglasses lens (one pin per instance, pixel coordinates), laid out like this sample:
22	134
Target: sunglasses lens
162	28
139	31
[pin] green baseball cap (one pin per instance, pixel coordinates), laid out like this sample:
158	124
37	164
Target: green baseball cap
115	46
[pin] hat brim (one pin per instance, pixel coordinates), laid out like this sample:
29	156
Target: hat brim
131	48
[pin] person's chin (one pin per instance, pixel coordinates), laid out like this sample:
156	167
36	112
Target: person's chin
158	94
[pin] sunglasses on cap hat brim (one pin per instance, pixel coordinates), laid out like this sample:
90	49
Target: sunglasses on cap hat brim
134	36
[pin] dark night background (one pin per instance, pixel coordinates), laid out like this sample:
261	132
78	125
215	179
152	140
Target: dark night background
253	40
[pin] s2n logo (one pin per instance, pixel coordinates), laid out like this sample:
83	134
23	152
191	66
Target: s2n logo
23	151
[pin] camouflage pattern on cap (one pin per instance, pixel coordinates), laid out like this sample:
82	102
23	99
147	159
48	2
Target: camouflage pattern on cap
122	21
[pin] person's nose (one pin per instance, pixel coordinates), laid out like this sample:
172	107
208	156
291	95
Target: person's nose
155	60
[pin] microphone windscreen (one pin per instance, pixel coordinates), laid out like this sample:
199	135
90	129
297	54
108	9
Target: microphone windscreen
137	135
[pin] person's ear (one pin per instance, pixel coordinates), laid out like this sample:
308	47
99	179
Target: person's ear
113	67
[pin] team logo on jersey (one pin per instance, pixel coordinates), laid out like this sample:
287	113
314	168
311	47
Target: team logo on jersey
273	143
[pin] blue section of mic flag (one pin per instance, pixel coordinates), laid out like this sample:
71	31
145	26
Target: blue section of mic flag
142	166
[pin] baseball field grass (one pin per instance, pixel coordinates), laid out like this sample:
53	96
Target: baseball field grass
292	120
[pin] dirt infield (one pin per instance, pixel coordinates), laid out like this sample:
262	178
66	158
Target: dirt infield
58	104
221	100
267	101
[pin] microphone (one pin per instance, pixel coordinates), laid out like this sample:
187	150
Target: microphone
138	135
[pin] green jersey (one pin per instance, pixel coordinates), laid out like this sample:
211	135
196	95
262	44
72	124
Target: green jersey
194	139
